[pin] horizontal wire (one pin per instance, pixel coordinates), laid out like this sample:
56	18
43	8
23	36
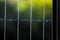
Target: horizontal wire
23	20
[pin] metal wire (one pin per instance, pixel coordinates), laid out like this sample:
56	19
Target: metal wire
18	22
30	19
43	19
5	22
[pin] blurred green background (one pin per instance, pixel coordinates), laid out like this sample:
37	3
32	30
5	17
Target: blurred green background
25	13
25	9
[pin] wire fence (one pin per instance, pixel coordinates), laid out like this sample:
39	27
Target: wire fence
31	21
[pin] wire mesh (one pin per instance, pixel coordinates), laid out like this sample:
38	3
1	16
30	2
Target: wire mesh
31	20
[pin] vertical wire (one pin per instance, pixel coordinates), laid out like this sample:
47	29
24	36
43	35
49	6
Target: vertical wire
57	21
30	19
52	23
43	19
18	22
5	22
